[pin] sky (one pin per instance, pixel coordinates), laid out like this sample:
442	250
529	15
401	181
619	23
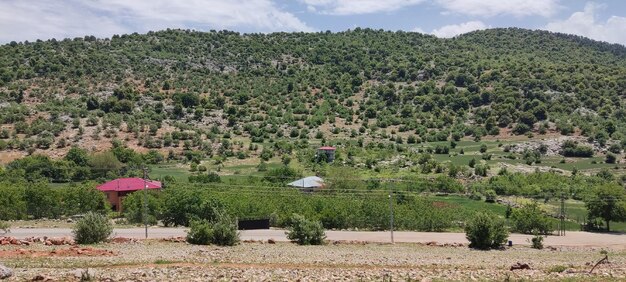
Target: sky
30	20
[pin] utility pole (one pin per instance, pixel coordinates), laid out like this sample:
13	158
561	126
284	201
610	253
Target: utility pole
562	216
145	199
391	213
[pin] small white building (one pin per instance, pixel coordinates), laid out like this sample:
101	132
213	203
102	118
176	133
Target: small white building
308	183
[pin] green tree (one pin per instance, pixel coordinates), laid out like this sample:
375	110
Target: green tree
282	175
42	201
530	218
77	156
83	198
103	163
184	204
133	206
608	202
12	204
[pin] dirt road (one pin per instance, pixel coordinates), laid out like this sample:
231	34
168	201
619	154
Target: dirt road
614	241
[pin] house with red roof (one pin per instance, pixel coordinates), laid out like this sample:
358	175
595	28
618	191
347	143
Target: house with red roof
119	188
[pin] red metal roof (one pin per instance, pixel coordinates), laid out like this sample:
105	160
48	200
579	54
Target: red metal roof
327	148
128	184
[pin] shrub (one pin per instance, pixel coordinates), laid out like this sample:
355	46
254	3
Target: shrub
529	219
92	228
222	232
537	241
615	149
570	148
211	177
485	231
200	232
305	232
282	174
5	227
490	196
557	269
610	158
475	195
442	149
481	169
483	148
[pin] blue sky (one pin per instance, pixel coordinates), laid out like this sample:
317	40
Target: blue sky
45	19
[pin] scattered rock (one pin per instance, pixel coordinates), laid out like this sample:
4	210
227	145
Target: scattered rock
122	240
87	274
174	239
5	272
271	241
520	266
41	277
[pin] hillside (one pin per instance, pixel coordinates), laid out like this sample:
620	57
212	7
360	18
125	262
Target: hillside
519	118
216	92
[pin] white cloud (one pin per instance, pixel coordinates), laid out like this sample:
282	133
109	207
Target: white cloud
490	8
43	19
356	7
585	23
483	8
456	29
419	30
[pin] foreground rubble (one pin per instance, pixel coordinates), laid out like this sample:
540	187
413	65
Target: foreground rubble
163	260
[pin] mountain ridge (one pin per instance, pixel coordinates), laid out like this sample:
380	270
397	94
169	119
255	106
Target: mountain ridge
363	83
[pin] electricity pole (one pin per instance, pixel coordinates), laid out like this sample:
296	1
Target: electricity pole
145	199
391	213
562	216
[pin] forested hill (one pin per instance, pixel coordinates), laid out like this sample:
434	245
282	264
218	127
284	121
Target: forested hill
156	89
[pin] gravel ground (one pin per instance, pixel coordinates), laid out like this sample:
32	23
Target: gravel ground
168	261
573	239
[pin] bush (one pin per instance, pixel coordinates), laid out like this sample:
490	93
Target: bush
490	196
485	231
92	228
475	195
225	231
305	232
557	269
610	158
442	149
200	232
222	232
537	241
5	227
529	219
211	177
481	169
570	148
282	175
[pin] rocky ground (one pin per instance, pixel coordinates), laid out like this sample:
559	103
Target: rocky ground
160	260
